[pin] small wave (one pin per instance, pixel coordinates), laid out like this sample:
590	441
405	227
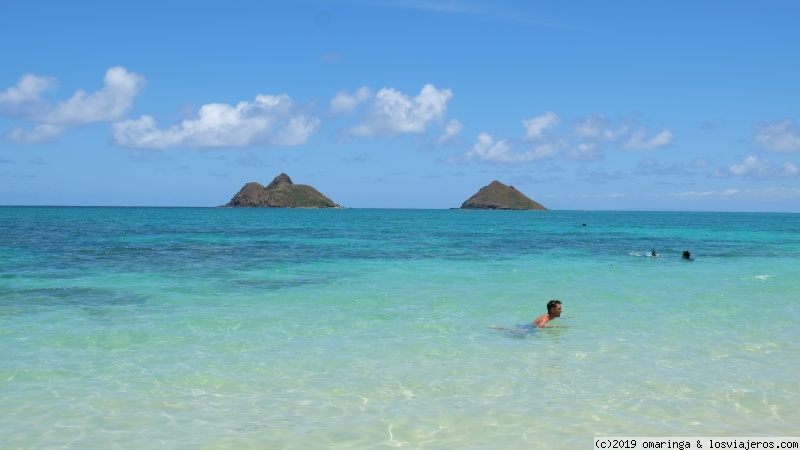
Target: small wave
759	277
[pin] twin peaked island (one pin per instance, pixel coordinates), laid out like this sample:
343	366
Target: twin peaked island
282	193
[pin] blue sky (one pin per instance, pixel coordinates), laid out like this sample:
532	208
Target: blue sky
625	105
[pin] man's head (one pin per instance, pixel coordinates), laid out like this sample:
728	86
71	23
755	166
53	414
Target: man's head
554	308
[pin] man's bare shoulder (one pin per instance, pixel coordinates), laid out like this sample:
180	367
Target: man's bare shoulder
541	320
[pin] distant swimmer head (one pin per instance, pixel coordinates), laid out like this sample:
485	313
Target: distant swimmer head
686	254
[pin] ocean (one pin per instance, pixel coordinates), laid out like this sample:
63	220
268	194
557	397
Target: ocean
213	328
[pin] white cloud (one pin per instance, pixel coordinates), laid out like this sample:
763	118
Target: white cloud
24	101
487	149
451	131
40	134
344	102
638	140
583	140
790	169
750	165
268	120
542	151
783	136
537	126
585	152
107	104
758	169
597	128
502	152
297	131
392	113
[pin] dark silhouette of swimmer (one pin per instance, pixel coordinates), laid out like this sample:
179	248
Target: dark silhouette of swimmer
687	255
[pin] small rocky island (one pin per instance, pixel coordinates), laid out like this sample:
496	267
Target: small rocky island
499	196
281	193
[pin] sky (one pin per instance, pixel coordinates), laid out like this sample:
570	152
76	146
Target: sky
580	105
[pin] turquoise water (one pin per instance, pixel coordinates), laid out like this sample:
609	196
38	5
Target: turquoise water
354	329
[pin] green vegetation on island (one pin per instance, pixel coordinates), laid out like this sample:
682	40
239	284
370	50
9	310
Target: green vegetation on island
499	196
280	193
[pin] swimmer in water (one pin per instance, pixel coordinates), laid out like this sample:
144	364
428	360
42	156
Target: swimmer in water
553	311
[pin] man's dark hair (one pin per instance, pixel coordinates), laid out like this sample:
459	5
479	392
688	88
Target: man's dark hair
552	304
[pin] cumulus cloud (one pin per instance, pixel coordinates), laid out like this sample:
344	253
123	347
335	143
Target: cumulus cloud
107	104
754	168
585	152
626	136
451	131
639	140
598	129
268	120
783	136
790	169
346	102
24	101
488	150
43	133
751	165
536	127
582	139
392	113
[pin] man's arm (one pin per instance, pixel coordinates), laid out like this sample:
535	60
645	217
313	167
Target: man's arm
543	320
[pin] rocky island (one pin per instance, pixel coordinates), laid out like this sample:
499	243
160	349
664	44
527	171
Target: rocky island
499	196
280	193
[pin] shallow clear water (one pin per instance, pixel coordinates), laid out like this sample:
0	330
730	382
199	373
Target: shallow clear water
227	328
